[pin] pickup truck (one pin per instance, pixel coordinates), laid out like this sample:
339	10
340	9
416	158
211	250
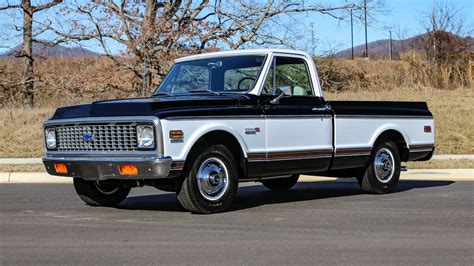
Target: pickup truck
221	118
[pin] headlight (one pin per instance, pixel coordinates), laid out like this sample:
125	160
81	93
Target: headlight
145	137
50	135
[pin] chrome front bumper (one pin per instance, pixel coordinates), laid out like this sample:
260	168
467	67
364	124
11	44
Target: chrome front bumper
103	168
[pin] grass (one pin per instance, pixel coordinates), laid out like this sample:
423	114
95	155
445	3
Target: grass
22	168
21	133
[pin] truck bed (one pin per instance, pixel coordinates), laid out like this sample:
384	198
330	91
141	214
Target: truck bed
380	108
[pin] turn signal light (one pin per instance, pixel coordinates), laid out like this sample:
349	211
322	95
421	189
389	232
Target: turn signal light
60	168
176	134
427	129
128	169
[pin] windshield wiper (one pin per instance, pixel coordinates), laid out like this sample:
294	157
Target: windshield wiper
162	93
213	92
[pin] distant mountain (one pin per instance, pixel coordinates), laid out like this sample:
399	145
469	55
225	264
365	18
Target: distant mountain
381	48
41	50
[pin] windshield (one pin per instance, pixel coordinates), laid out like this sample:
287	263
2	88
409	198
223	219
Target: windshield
216	75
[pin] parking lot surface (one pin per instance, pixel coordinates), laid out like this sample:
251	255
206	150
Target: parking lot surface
424	222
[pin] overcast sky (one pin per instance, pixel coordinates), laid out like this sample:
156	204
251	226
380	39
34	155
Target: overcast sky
329	33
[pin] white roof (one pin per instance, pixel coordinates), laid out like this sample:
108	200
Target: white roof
241	52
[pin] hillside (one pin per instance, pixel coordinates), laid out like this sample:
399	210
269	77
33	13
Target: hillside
381	48
41	50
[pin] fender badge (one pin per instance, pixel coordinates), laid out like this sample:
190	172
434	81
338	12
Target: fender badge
252	131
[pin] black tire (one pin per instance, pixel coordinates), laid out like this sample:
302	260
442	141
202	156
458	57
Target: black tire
96	194
386	178
193	196
281	184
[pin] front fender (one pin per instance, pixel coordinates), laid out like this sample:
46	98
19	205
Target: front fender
180	151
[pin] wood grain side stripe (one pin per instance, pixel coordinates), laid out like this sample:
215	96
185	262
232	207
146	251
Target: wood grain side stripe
353	151
289	155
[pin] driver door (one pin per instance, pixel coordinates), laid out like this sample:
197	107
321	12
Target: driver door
298	127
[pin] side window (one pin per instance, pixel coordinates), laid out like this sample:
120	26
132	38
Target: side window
291	72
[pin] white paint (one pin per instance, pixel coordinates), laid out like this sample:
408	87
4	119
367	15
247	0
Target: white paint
194	129
363	132
298	134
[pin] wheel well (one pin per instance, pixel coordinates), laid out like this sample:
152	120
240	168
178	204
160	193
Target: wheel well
399	140
220	137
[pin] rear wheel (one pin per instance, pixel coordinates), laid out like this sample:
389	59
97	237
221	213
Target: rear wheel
280	184
210	183
383	172
100	194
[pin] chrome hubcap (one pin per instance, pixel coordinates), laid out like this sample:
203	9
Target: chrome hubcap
212	179
384	165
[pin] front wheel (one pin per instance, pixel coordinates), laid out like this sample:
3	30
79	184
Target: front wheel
281	184
383	172
210	183
100	194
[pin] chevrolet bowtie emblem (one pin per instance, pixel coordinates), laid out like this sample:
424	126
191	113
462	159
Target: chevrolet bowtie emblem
87	137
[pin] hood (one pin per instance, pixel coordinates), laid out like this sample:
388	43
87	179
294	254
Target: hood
161	107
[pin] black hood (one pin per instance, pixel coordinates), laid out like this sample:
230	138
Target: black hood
162	106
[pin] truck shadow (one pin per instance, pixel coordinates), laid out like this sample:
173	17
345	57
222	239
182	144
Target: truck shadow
254	195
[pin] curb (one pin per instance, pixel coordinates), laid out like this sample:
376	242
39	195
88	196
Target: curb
415	174
32	177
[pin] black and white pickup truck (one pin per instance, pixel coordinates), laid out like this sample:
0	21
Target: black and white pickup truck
221	118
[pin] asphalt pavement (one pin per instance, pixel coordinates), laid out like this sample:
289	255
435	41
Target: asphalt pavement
424	222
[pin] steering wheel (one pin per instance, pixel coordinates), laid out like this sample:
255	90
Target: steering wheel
242	79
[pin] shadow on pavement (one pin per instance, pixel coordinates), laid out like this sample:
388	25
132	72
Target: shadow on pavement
251	196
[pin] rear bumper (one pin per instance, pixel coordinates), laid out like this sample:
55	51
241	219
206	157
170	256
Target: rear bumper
100	168
421	154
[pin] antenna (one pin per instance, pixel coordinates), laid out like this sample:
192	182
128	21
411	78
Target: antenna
311	25
390	44
352	37
365	15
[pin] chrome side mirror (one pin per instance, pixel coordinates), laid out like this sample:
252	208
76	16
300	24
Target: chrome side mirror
285	92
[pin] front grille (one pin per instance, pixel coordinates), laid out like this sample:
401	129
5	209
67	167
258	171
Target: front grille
101	137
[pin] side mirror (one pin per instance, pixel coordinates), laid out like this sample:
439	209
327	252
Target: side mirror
285	91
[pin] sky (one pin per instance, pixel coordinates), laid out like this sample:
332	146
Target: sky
331	34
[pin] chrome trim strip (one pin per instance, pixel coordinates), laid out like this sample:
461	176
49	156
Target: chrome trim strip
288	159
84	120
98	154
421	150
297	116
353	151
310	116
214	117
384	116
351	155
107	159
289	155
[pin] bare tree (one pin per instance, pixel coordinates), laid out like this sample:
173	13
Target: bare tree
28	10
153	33
446	29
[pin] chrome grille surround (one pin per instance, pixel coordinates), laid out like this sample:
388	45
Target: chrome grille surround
97	137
